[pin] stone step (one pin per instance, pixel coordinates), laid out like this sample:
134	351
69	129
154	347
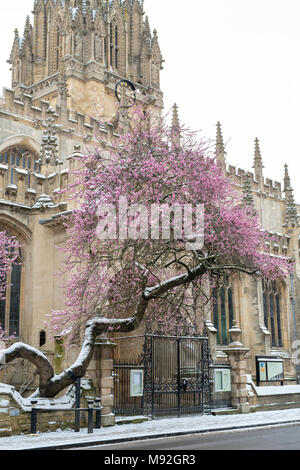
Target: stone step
224	411
5	432
131	419
275	406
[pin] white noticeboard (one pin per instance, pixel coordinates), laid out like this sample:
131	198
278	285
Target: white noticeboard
275	371
222	380
136	383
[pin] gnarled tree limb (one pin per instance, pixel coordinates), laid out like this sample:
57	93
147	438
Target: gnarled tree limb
51	384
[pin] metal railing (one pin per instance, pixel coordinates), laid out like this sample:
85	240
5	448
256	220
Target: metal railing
91	410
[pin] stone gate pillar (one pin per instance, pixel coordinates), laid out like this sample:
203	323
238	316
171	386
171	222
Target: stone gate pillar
101	373
236	354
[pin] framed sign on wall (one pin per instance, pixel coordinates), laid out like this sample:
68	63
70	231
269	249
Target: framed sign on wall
136	383
269	369
222	380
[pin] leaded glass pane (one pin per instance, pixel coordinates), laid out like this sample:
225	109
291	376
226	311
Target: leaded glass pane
223	317
14	316
272	313
272	319
216	312
230	307
266	317
2	314
223	313
278	320
17	157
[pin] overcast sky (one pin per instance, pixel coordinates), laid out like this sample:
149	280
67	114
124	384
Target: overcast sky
234	61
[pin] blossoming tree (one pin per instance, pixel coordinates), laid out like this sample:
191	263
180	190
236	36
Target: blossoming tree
124	268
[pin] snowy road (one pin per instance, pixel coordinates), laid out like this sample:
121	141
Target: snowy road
283	438
156	428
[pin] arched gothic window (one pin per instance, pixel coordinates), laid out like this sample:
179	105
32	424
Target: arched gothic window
58	48
272	311
10	306
19	158
223	313
114	46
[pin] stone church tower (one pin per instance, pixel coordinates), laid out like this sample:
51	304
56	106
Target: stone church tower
84	46
65	69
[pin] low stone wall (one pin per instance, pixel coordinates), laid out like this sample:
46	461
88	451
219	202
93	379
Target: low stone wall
15	411
273	397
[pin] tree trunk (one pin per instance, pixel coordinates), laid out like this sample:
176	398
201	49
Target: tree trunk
51	384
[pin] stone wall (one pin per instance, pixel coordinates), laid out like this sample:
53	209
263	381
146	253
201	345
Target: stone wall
15	411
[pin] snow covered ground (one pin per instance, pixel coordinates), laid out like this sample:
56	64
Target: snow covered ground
150	429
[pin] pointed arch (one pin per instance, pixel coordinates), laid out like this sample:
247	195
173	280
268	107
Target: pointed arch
40	39
18	155
16	228
117	44
274	296
223	311
21	140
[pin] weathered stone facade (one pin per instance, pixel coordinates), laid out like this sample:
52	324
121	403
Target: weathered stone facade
279	216
64	72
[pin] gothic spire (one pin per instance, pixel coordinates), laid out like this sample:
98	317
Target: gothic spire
15	47
175	117
287	179
147	27
27	27
220	148
175	125
258	164
291	213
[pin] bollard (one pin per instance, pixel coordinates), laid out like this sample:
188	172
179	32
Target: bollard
77	405
33	428
90	416
98	412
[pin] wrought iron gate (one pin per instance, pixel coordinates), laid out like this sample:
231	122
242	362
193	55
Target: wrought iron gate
176	377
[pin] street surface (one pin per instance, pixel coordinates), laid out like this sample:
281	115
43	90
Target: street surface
282	438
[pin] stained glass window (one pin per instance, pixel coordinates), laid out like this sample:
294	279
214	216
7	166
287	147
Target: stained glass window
19	158
42	338
2	314
10	307
272	311
223	313
14	311
114	46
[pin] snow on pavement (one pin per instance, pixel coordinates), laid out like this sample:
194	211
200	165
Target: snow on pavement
150	428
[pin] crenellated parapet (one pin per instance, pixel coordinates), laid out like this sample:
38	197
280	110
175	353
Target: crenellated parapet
38	189
266	188
69	123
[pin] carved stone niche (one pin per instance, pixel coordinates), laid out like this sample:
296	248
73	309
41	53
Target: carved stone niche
38	124
11	191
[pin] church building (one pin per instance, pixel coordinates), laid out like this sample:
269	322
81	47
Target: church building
65	69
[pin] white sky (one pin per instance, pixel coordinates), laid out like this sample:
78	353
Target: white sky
236	61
